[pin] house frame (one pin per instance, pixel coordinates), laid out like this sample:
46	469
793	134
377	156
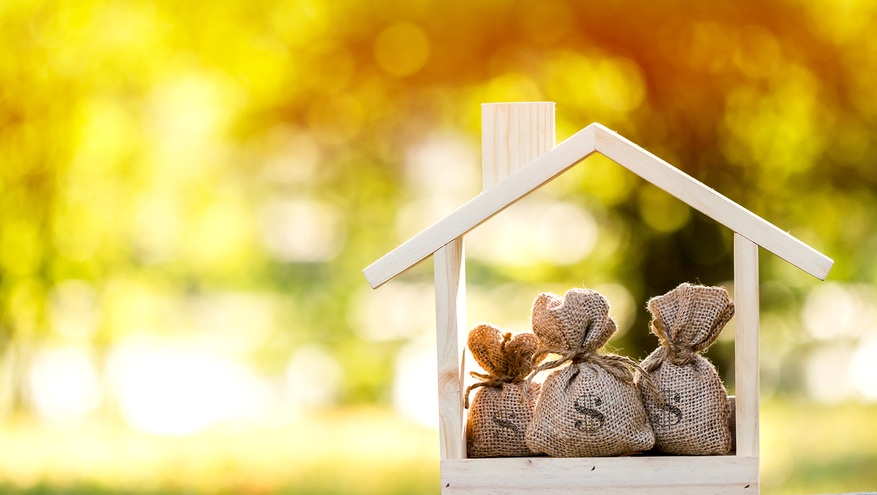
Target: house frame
519	156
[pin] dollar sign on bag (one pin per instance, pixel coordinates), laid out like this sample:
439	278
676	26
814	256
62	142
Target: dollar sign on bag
506	423
586	404
670	397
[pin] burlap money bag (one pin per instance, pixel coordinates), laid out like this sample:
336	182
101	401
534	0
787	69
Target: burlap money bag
499	413
591	407
691	417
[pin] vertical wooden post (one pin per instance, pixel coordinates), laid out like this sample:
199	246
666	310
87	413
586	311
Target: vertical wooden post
746	344
513	135
450	313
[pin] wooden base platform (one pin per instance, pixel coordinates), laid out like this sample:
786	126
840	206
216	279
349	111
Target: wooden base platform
653	475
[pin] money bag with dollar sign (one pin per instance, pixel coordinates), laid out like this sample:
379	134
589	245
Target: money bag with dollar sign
690	416
502	408
590	407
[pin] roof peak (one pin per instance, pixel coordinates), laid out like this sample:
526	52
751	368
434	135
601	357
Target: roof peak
597	138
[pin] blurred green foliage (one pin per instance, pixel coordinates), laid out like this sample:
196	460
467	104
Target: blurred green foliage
169	153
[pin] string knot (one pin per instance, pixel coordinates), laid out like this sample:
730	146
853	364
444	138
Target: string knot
506	358
489	380
678	354
618	366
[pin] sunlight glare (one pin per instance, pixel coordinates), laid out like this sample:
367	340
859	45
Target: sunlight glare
863	369
531	232
828	374
397	311
302	230
415	384
64	385
313	377
178	389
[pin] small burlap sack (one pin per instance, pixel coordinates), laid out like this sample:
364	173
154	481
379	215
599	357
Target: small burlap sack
691	415
501	410
591	407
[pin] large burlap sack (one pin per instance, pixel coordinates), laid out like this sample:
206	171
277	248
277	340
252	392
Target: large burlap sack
501	410
691	415
591	407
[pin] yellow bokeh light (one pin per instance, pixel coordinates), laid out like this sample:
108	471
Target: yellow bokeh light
513	86
21	249
619	84
603	88
402	49
662	212
606	180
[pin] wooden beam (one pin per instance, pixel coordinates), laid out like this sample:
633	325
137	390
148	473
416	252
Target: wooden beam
712	204
482	207
670	475
450	314
512	136
746	367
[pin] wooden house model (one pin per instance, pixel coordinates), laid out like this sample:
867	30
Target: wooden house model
519	156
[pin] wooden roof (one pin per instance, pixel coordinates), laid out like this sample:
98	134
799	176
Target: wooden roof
597	138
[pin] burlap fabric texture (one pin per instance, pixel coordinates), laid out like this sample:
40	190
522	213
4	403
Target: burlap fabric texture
691	417
500	410
591	407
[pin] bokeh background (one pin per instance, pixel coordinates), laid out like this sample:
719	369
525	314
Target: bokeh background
190	190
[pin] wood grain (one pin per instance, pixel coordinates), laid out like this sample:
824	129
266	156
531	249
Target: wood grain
746	344
602	475
450	313
512	136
